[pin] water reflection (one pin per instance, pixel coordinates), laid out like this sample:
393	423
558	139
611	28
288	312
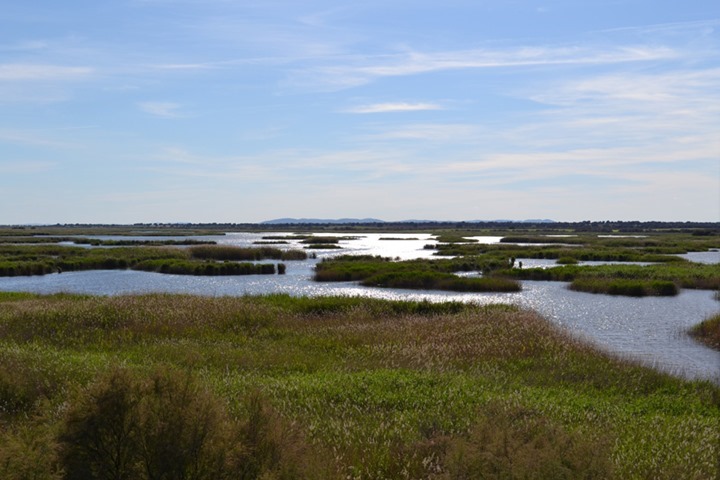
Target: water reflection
650	329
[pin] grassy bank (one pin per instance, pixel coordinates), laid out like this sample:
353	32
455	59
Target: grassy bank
331	388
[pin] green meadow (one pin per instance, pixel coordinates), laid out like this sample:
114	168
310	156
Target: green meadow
283	387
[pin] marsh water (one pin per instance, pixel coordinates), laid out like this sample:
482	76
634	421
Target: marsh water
649	329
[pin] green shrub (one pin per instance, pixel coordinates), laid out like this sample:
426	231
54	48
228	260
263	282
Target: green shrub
167	426
126	427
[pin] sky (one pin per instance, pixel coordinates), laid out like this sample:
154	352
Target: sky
130	111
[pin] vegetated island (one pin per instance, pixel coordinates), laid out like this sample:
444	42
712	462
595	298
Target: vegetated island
157	386
31	259
374	271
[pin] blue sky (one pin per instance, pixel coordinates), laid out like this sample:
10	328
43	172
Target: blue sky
241	111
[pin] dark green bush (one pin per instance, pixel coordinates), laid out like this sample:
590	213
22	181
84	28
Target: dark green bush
128	427
167	426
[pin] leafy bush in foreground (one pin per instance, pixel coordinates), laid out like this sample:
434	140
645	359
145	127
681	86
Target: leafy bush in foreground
167	426
125	427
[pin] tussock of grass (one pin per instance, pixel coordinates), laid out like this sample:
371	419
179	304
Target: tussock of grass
350	388
708	331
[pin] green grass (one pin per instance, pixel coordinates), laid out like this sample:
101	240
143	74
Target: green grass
335	387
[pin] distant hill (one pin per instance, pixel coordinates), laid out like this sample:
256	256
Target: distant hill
286	221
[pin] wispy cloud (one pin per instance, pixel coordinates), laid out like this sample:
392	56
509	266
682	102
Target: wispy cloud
161	109
394	107
34	138
431	132
29	72
25	167
358	72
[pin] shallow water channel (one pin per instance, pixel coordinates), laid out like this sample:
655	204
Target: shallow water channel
650	329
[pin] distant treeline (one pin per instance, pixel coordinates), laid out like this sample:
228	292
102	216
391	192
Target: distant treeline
606	226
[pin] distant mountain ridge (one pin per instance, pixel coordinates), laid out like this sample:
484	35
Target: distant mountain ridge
290	221
320	220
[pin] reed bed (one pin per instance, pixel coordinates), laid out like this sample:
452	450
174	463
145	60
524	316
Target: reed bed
330	388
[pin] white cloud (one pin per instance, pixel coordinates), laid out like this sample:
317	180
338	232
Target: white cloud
161	109
394	107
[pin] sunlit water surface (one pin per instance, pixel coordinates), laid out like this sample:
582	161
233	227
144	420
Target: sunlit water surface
651	329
